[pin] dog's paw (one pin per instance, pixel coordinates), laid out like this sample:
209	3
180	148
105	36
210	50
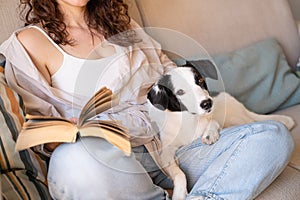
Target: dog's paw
210	137
211	134
288	122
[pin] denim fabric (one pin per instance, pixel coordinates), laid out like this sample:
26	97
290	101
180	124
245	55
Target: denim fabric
93	169
240	165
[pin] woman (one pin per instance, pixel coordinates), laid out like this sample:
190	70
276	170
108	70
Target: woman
72	48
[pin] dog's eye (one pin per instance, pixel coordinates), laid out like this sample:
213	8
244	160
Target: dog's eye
180	92
201	80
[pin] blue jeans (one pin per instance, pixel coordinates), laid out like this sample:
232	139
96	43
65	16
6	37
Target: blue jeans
240	165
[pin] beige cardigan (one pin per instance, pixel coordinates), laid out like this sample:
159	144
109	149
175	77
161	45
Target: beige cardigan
138	67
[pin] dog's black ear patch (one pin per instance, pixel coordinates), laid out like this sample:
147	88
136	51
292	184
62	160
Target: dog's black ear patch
158	97
204	67
162	97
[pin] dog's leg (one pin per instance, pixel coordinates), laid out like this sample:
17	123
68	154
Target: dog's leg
286	120
179	180
175	173
211	133
228	111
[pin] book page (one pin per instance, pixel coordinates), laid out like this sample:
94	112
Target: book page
116	139
100	102
46	129
46	134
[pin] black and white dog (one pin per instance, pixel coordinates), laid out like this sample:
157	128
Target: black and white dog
183	110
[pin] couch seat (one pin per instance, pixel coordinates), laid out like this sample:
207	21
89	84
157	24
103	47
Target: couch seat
294	112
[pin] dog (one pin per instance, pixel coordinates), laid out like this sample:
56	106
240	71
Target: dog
183	110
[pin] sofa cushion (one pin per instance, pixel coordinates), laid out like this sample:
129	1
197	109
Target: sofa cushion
22	185
259	76
22	173
294	113
9	19
225	26
285	186
134	11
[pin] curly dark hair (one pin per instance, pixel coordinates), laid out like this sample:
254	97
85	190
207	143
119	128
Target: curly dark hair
109	17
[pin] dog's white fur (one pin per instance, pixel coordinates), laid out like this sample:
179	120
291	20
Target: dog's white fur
180	128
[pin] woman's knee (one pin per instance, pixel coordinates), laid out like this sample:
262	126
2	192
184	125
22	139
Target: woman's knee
275	135
277	132
67	171
79	170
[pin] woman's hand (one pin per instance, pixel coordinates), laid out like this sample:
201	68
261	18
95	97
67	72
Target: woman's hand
51	146
74	120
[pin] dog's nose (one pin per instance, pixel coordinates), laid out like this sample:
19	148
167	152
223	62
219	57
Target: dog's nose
206	104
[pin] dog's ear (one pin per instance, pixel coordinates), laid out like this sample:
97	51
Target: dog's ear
158	97
162	97
204	67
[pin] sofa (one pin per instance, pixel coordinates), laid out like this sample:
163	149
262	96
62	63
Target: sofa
255	45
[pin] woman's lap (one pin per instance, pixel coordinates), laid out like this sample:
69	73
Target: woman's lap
241	164
94	169
244	161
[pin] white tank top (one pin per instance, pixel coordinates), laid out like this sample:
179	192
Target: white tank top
77	75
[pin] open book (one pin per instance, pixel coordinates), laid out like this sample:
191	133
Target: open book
46	129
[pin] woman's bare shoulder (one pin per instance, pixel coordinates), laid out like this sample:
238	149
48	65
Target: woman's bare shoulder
38	47
32	38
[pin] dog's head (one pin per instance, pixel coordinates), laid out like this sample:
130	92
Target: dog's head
184	88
